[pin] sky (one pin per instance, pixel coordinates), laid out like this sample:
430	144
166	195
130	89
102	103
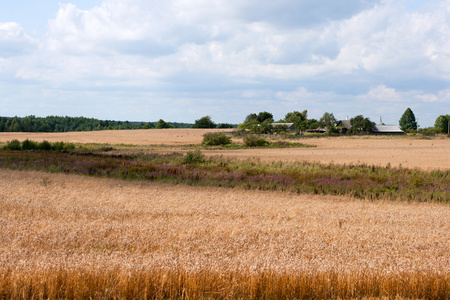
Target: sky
179	60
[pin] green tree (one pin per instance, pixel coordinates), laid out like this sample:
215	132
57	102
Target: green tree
251	117
264	115
299	119
224	125
204	122
408	121
161	124
361	124
312	124
328	120
266	127
441	123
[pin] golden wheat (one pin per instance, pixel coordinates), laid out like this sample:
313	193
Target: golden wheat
67	236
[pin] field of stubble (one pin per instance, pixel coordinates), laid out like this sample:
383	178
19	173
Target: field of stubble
426	154
67	236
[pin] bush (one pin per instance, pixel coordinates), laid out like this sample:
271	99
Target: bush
29	145
204	122
69	146
13	145
216	139
254	141
58	146
193	157
45	145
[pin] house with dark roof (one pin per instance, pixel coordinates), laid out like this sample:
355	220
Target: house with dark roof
290	127
343	126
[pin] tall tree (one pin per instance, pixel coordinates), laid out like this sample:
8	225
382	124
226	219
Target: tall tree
204	122
251	117
297	118
361	124
161	124
264	115
328	120
442	123
408	121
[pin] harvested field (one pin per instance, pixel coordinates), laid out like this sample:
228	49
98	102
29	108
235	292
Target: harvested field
66	236
407	152
172	137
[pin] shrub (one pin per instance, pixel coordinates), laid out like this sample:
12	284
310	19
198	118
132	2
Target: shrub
69	146
254	141
13	145
215	139
45	145
193	157
58	146
29	145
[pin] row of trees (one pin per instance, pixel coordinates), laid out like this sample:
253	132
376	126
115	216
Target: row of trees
64	124
263	123
255	123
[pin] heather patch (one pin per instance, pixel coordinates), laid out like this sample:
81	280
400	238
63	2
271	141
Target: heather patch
360	181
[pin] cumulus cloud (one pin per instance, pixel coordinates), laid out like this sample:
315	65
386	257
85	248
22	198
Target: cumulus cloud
248	55
14	41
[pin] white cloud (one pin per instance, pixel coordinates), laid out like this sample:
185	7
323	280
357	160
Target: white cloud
13	40
239	56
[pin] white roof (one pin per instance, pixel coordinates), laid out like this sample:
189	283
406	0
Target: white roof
282	124
387	128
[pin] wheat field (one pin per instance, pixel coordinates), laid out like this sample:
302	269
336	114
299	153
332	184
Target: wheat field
67	236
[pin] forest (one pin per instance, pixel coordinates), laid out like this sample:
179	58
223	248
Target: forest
65	124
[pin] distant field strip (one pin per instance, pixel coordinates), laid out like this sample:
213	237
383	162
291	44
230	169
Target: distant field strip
68	236
409	152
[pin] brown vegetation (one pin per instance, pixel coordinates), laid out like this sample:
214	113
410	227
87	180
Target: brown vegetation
66	236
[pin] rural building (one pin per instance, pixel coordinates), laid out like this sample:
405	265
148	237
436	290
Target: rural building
290	127
317	130
387	129
344	124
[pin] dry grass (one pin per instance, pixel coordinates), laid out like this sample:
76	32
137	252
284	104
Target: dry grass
77	237
408	152
141	137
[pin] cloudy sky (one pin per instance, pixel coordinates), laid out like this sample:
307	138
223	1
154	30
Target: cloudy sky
179	60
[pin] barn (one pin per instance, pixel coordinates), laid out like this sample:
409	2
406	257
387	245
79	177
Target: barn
387	130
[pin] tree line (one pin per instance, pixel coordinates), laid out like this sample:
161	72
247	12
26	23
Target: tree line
261	123
65	124
264	123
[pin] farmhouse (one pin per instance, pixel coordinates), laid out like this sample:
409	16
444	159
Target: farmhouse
317	130
290	127
386	129
379	129
344	124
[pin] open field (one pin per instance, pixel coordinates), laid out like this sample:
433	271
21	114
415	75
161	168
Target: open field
406	151
75	237
71	236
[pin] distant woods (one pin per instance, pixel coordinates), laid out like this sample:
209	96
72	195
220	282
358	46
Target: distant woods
65	124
